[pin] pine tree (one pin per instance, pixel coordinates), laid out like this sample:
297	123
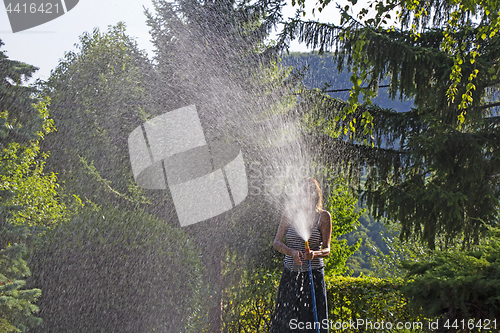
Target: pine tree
434	168
17	308
17	120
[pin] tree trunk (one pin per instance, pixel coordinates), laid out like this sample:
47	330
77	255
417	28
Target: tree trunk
215	304
209	237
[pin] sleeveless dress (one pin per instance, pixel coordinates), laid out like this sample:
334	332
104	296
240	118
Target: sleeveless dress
294	310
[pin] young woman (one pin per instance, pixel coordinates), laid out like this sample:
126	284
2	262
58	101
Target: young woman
294	309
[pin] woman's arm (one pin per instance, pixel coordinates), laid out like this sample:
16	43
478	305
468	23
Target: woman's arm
280	246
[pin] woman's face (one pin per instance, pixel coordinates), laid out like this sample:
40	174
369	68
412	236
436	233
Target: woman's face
308	194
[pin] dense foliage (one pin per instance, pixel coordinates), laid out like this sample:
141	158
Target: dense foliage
29	199
98	96
17	308
371	300
345	218
249	306
111	270
454	286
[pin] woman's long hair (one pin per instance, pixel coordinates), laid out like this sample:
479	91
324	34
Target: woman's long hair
313	186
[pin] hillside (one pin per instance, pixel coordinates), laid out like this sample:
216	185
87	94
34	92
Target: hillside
322	70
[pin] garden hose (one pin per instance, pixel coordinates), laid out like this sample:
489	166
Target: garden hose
315	311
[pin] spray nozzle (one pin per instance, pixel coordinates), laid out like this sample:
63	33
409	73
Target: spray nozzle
307	246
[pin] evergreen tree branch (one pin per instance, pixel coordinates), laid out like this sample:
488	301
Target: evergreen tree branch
492	105
349	89
91	169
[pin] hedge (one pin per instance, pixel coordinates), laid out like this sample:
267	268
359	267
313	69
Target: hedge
361	304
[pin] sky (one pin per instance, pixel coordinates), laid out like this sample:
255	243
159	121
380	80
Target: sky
44	45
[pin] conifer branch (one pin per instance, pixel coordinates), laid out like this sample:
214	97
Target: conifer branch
349	89
492	105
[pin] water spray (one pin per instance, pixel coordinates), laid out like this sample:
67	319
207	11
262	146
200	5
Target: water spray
315	311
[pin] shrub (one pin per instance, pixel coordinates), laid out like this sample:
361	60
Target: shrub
369	299
248	307
458	286
116	271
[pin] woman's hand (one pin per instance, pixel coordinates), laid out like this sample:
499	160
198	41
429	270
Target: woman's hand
309	255
296	257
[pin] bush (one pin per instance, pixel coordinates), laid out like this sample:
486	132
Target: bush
116	271
366	298
456	286
249	306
